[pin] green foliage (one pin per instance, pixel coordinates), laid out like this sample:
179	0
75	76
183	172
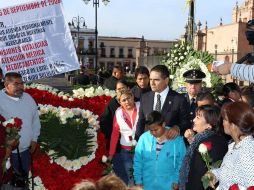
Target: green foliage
177	56
216	164
205	181
204	56
71	139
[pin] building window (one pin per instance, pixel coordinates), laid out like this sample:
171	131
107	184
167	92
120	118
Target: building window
121	55
90	47
112	52
130	55
103	49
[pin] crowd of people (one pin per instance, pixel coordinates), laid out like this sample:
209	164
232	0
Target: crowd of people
153	133
169	128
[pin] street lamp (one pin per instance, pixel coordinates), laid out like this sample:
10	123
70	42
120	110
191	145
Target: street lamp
77	23
96	4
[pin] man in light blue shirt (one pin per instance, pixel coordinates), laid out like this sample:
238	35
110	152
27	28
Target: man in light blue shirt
14	102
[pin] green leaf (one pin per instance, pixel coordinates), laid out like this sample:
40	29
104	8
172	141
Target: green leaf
205	181
217	164
71	139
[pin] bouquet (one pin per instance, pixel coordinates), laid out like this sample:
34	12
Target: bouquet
12	128
204	148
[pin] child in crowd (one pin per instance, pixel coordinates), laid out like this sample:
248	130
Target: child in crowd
157	160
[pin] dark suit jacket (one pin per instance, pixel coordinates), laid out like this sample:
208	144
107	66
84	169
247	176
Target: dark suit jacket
174	111
197	165
192	110
138	92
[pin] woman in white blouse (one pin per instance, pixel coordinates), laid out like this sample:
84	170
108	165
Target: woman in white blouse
238	164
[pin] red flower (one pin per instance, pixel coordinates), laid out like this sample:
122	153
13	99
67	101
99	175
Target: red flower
2	119
17	123
130	138
234	187
208	145
250	188
9	125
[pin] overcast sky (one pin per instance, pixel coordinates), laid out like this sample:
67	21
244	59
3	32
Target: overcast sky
155	19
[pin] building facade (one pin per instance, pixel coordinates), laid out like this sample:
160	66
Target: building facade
127	52
227	41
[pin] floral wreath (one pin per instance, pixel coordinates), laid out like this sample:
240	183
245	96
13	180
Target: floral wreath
63	114
192	63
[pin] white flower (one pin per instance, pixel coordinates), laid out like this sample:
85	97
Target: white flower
104	159
76	165
61	160
65	97
202	148
71	99
68	165
8	164
83	160
134	142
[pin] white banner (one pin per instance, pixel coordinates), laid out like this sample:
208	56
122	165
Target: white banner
35	40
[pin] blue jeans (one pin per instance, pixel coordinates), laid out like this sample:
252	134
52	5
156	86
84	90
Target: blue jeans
128	165
25	160
118	167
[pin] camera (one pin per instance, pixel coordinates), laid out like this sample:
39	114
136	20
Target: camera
250	32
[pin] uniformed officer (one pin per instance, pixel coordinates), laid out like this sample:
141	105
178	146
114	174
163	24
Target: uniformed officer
193	81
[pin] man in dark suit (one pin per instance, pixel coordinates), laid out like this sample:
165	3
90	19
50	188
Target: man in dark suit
163	99
193	79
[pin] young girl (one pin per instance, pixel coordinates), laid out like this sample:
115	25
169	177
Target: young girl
157	160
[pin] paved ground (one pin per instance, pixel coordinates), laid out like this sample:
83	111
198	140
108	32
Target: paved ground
58	81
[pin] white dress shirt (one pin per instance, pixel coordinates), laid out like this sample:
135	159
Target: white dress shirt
163	95
237	166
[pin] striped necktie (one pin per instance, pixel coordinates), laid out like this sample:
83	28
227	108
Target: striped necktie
158	103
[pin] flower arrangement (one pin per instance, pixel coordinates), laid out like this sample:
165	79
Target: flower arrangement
176	57
183	57
51	175
192	63
204	148
68	136
12	128
92	91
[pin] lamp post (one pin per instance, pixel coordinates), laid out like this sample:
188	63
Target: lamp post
76	21
96	5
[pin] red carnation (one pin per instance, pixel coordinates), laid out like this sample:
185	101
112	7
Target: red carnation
208	145
130	138
250	188
234	187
